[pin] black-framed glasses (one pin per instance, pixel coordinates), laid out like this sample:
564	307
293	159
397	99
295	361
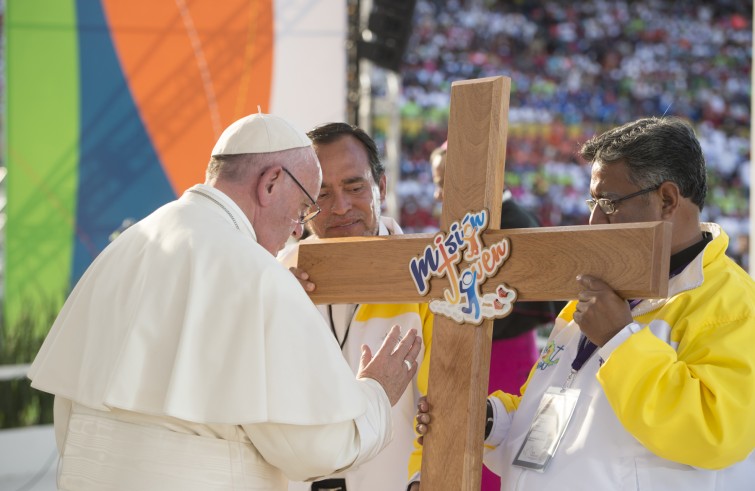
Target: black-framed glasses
312	210
608	206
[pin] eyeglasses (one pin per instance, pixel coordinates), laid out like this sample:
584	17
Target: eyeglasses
608	206
312	210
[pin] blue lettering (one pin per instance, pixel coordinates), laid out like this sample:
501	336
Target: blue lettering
422	267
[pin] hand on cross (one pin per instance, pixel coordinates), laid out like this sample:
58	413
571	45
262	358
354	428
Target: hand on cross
423	418
601	313
303	278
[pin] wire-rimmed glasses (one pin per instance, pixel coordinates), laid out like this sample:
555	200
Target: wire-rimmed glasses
312	210
608	206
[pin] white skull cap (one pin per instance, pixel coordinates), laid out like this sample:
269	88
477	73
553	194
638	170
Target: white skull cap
260	133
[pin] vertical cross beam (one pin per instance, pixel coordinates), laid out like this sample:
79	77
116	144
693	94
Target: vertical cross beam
460	359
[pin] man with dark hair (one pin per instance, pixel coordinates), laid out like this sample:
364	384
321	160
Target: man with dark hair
354	182
636	394
350	198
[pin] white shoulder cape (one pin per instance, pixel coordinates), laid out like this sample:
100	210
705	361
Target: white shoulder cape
185	315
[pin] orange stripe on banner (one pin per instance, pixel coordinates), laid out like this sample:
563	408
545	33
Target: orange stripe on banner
193	67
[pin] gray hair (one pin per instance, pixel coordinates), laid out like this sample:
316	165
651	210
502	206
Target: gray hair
238	167
654	150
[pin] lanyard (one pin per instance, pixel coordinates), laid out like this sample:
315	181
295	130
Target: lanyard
342	342
585	350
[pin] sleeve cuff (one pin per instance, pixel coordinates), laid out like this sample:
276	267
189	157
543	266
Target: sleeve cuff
500	423
605	351
415	478
375	426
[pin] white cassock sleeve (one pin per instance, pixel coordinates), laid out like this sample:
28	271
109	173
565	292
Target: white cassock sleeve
315	451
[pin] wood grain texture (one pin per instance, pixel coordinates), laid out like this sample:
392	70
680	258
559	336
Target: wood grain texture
544	262
478	126
459	370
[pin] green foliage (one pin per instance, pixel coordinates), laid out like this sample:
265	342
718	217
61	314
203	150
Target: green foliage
20	404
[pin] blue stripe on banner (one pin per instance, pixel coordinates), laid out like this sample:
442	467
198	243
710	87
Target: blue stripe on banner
120	175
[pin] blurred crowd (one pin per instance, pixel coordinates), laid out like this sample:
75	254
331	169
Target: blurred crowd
579	68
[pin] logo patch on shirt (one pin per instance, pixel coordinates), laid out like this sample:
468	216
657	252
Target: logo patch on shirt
548	357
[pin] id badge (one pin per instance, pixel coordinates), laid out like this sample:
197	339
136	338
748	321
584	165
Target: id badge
552	417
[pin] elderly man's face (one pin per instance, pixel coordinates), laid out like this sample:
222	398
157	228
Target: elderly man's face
281	221
349	197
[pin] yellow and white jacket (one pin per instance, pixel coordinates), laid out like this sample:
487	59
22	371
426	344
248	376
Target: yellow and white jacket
668	403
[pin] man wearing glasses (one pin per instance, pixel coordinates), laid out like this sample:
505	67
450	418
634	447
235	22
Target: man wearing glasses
188	358
641	394
350	198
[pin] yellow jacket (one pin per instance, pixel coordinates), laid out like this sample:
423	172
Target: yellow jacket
670	399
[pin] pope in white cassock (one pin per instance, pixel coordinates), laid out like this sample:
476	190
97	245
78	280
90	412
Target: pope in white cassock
187	358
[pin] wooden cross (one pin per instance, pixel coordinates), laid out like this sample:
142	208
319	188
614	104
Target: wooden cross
543	265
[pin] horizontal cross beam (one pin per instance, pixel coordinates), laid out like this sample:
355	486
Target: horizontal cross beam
544	262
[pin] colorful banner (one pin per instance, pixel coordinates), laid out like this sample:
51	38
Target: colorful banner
113	108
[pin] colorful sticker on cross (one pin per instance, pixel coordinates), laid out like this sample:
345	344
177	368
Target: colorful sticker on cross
463	302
